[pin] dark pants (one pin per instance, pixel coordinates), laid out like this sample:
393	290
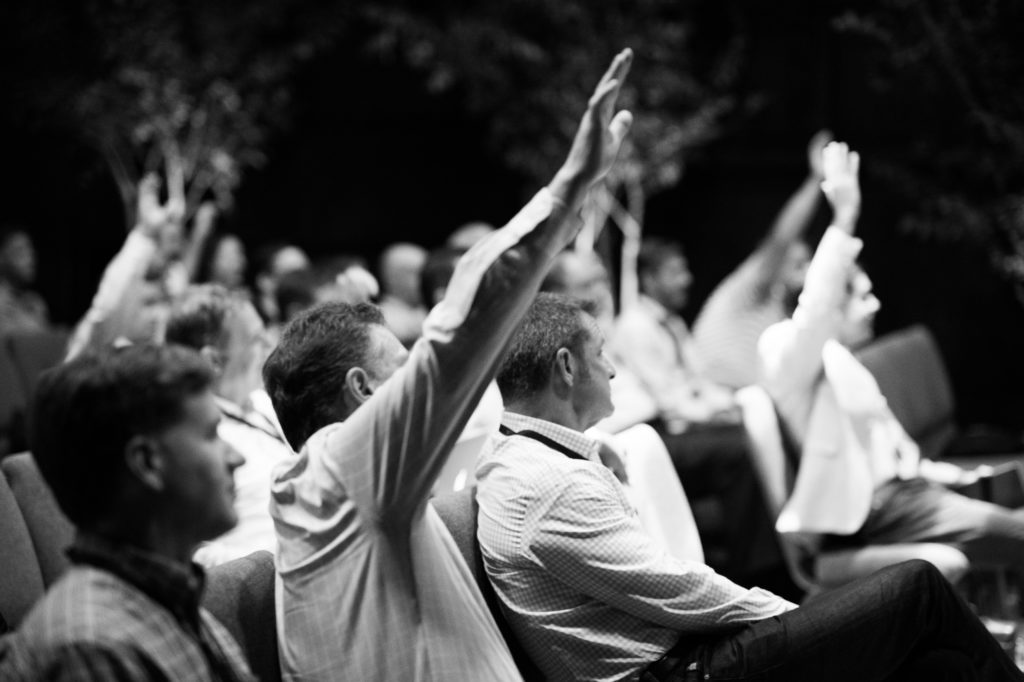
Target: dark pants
904	622
917	510
714	465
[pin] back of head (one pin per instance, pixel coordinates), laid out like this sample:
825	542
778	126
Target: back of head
552	322
305	373
199	318
399	270
86	411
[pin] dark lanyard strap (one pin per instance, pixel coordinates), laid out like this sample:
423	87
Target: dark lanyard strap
242	420
541	438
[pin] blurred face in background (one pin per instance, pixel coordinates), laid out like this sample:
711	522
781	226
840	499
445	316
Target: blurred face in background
18	259
228	264
669	283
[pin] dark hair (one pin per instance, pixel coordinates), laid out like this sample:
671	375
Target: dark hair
306	372
86	411
654	252
198	317
438	271
295	290
553	321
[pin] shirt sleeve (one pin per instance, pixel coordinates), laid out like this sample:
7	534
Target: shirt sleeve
790	352
388	453
113	305
93	663
586	538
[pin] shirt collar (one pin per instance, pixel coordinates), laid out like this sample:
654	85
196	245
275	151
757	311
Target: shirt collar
570	438
177	587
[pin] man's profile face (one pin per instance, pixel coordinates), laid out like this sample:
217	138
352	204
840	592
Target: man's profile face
669	284
592	395
859	311
198	466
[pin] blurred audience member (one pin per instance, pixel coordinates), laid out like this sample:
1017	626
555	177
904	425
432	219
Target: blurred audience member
469	234
224	262
21	308
226	330
345	279
273	262
762	290
861	479
399	269
127	441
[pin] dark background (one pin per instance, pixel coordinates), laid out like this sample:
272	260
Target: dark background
371	158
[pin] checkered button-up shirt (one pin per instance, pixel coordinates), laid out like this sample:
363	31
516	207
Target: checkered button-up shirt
122	614
371	586
586	590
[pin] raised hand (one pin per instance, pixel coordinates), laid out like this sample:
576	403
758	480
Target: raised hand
841	184
598	138
151	215
814	150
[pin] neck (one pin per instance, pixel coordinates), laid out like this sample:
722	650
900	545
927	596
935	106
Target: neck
549	408
156	536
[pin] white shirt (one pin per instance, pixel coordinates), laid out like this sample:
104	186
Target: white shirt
259	442
588	593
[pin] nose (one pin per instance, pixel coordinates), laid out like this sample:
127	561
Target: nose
232	457
610	367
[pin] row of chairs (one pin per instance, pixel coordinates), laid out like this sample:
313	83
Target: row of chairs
23	356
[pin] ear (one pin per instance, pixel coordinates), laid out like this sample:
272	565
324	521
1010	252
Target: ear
145	462
214	357
357	385
564	368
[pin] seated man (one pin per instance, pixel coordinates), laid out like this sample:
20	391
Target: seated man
592	597
861	479
371	584
762	290
227	331
712	459
127	440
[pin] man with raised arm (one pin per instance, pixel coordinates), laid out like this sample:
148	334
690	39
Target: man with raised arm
371	585
591	596
762	290
861	479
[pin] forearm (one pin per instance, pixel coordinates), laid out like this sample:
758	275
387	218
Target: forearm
120	281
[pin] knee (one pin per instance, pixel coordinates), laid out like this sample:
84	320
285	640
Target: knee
918	574
950	561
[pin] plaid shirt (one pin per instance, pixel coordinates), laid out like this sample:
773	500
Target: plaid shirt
586	590
122	614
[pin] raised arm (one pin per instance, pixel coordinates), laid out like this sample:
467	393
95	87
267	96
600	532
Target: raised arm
792	221
115	307
436	390
791	352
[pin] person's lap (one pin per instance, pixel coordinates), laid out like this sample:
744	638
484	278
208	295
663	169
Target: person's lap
903	622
